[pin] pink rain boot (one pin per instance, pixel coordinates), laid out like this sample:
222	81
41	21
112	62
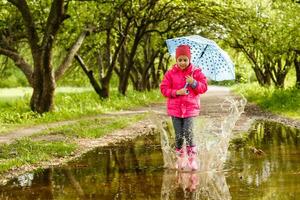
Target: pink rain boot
180	163
192	153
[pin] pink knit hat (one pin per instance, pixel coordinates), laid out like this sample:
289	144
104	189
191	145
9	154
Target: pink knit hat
183	50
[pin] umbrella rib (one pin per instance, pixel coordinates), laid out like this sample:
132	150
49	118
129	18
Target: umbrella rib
203	51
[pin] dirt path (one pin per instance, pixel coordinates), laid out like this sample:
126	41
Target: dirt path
26	132
211	104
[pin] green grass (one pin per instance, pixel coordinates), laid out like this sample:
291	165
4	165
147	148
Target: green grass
18	92
284	102
93	128
15	111
26	151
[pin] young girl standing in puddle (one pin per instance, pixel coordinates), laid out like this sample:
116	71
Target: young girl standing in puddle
182	85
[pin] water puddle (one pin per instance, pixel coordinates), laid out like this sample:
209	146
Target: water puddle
268	168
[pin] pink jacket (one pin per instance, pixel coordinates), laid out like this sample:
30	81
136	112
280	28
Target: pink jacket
183	105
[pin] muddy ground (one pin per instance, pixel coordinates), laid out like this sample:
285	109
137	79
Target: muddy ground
212	103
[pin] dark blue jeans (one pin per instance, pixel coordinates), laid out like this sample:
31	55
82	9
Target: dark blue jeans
183	130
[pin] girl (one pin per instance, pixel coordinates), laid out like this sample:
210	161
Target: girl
182	85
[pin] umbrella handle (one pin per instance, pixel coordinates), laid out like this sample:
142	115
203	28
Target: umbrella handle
185	86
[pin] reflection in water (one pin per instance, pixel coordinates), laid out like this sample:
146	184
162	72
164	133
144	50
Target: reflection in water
29	186
127	171
194	186
75	184
273	175
25	179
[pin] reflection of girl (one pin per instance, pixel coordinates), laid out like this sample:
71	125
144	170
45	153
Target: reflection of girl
182	85
195	186
188	181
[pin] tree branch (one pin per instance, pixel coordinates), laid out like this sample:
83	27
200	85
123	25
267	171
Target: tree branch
55	18
72	52
28	22
19	62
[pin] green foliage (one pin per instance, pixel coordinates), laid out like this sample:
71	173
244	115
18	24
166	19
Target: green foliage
12	78
243	71
239	141
265	31
74	77
252	24
279	101
10	75
25	151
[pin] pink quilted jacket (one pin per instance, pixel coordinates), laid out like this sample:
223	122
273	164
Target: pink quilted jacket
183	105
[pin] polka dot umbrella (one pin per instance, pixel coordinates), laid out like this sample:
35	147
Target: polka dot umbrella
206	54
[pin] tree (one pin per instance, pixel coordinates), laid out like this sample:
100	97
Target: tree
264	31
283	40
153	20
37	26
144	62
116	29
297	68
101	51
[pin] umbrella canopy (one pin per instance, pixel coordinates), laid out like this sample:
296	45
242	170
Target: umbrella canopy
206	54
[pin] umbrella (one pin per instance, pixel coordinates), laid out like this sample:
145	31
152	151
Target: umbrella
214	62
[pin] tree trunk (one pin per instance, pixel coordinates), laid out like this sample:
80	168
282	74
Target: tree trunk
122	63
43	85
103	90
135	82
262	77
156	74
279	69
124	80
43	95
105	87
90	75
297	68
280	80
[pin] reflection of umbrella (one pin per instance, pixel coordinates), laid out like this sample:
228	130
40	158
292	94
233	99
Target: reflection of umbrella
214	62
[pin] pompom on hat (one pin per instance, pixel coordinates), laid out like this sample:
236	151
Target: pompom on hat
183	50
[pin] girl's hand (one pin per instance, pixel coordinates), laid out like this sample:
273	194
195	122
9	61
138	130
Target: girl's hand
189	79
182	91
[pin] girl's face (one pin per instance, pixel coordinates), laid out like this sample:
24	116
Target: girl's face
183	61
